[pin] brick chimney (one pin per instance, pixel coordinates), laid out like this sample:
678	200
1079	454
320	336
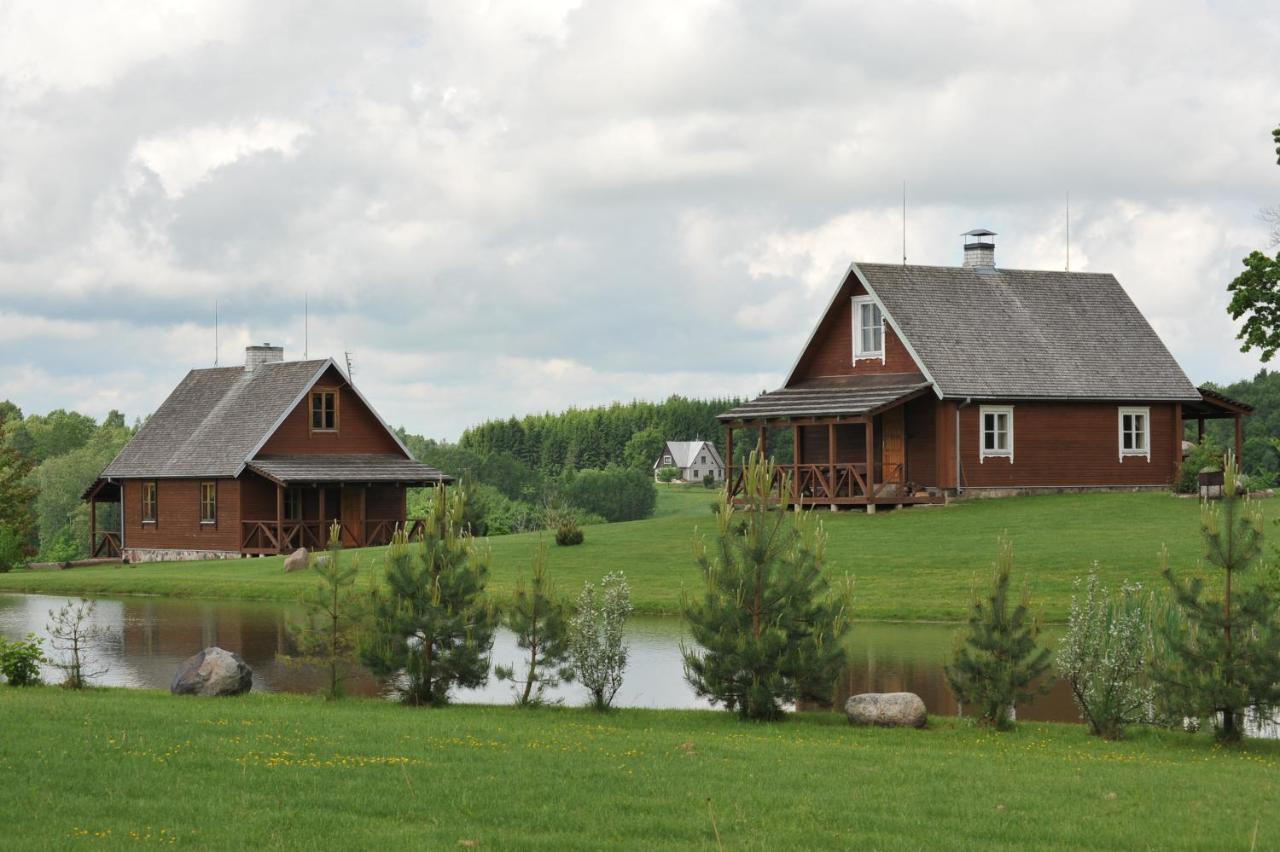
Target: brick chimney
256	356
979	249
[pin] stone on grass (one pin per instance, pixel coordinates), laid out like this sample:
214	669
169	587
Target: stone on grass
889	709
213	671
296	561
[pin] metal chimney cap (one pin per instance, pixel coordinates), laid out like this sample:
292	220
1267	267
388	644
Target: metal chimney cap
979	232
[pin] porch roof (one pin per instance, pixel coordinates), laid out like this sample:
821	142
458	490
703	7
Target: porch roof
1215	406
823	402
316	469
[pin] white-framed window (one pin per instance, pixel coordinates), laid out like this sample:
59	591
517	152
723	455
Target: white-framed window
995	432
868	329
1135	432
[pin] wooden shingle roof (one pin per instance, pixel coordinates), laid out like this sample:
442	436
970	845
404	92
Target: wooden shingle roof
368	469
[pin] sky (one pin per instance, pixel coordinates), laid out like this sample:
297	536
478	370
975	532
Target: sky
509	207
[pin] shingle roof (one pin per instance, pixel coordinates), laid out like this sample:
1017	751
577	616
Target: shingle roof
683	452
830	401
214	419
312	468
1008	333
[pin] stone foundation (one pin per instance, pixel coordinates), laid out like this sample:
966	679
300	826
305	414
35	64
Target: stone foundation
1027	490
136	555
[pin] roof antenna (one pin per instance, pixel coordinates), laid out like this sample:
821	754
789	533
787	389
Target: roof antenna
306	327
1068	230
349	373
904	223
215	332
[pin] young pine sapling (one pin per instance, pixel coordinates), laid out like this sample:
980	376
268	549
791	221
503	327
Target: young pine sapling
540	623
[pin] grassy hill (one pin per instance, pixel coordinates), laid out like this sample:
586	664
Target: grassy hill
914	564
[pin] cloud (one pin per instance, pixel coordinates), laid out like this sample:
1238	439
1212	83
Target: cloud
510	207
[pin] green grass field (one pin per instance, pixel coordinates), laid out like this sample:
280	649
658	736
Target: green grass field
913	564
115	768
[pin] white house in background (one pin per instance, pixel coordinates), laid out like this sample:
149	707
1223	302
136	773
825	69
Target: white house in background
695	459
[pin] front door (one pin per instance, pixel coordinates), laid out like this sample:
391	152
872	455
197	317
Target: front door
893	445
353	516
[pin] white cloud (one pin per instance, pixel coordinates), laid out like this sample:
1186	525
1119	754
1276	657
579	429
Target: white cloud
181	160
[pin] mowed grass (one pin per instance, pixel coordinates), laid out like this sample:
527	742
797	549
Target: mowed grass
111	768
912	564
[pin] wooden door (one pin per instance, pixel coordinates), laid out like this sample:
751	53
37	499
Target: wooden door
353	516
893	445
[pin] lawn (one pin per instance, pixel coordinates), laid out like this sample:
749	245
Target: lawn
912	564
112	768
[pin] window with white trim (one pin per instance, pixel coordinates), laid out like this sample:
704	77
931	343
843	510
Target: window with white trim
996	432
868	329
1135	432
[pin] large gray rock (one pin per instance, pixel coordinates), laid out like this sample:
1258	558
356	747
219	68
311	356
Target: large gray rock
890	709
296	561
214	671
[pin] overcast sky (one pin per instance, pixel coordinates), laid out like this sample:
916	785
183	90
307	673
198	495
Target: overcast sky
502	208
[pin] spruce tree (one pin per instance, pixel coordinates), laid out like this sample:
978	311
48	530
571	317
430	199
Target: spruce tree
432	627
769	625
999	659
329	633
538	619
1224	658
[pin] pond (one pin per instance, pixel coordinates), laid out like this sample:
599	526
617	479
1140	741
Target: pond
151	636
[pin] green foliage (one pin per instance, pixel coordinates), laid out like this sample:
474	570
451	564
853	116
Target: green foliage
42	437
62	517
643	448
329	634
616	494
17	495
20	660
1205	455
1255	297
539	621
709	481
999	658
1225	659
1103	657
668	474
568	533
430	618
596	638
72	631
769	626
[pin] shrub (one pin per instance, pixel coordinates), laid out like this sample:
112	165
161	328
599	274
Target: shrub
13	549
668	474
596	638
709	481
615	493
770	628
568	533
20	660
996	663
1103	656
539	621
1203	455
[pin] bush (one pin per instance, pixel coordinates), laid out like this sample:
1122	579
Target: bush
1103	656
13	550
1203	455
20	660
596	638
709	481
568	533
615	493
668	474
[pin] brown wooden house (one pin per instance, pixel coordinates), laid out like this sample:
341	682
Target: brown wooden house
921	382
253	460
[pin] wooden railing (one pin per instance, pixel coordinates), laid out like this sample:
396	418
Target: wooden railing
823	483
262	536
107	546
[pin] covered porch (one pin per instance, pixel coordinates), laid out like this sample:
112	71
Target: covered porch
288	502
853	445
105	538
1215	406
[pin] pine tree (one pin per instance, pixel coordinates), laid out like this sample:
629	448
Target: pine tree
539	620
770	627
329	635
1000	658
1224	658
432	621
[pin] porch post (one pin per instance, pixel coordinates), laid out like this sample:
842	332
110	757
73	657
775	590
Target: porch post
1199	430
763	443
1179	429
279	518
831	464
324	526
728	459
93	522
871	465
795	461
1239	440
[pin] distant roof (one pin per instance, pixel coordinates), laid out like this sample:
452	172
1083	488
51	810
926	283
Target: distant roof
828	400
215	420
683	452
1022	334
314	468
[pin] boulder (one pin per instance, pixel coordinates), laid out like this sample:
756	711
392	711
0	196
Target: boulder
890	709
296	561
213	671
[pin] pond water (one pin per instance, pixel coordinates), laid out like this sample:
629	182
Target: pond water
151	636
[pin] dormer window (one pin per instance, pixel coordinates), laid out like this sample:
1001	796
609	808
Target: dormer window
868	329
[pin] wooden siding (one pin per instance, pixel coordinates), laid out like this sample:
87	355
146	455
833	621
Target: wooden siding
1066	444
385	503
358	428
257	498
831	351
177	523
922	468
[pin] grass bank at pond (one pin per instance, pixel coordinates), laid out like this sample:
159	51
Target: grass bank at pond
915	564
286	771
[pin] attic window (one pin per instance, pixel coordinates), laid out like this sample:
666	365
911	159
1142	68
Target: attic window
868	329
324	410
1135	432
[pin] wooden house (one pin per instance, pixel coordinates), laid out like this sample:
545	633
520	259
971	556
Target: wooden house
257	459
694	459
921	382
